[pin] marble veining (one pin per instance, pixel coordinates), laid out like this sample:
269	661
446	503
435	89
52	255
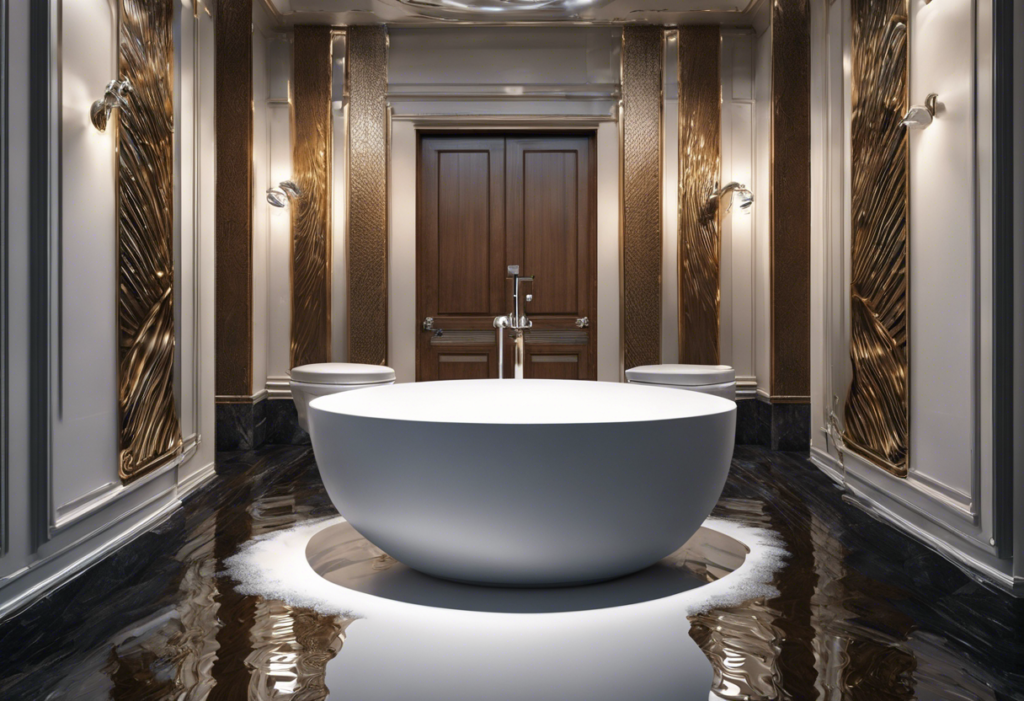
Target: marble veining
861	612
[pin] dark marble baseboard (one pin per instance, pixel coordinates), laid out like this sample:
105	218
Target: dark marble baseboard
747	422
241	426
283	424
775	426
790	427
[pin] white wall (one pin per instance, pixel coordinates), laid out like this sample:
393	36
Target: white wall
762	343
279	227
947	498
670	202
262	35
85	511
739	235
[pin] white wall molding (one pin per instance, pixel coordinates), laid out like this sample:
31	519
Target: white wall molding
739	229
52	572
194	480
82	508
905	517
279	387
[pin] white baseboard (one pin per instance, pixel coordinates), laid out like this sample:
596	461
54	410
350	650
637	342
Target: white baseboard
974	566
196	480
25	598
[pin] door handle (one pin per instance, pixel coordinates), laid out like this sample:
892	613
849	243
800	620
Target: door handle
583	322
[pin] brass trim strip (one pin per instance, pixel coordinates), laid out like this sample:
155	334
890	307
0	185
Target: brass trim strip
643	50
150	433
311	213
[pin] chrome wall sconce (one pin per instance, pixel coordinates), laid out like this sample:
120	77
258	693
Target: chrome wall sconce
920	116
285	191
113	96
746	197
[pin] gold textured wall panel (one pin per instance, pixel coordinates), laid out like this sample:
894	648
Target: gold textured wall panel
311	213
642	61
150	433
367	82
700	239
876	413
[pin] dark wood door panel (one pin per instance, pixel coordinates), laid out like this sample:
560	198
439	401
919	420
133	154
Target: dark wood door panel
460	253
558	365
466	365
550	232
549	196
484	203
463	232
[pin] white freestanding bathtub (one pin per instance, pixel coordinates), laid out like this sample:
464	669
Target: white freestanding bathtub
524	482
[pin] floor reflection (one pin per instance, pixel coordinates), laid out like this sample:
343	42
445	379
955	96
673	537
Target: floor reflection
339	554
861	613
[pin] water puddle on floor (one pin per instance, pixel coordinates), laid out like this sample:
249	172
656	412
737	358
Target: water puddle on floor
410	636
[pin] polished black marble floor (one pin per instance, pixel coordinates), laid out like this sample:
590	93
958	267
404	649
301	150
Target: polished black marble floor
862	612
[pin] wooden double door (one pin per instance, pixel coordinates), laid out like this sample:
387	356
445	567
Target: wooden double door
485	202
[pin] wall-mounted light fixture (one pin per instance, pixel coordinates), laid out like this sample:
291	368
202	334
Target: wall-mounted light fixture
113	96
286	190
746	197
920	116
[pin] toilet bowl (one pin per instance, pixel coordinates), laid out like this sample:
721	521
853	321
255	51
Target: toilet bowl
312	381
719	380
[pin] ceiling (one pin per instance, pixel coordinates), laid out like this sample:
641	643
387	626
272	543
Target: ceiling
437	12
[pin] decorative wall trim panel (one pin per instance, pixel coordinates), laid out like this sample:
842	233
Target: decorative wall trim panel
311	213
642	60
367	84
234	206
150	431
700	167
791	202
877	412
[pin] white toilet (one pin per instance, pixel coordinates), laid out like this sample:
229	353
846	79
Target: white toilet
719	380
312	381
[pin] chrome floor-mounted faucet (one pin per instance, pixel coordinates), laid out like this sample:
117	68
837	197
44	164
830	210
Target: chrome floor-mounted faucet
516	324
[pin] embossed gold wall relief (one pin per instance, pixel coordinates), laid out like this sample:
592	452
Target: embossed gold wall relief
367	82
700	146
311	213
876	412
150	433
642	61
